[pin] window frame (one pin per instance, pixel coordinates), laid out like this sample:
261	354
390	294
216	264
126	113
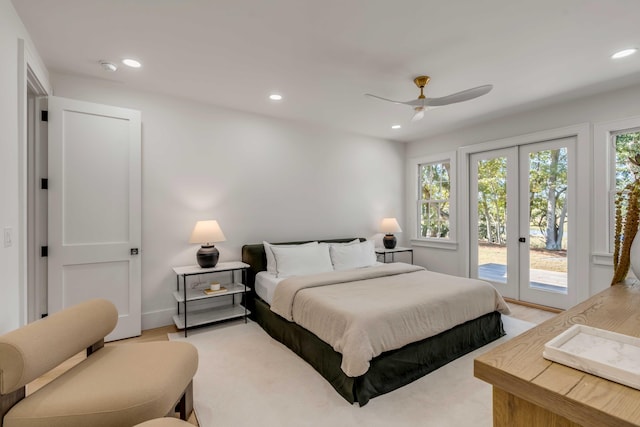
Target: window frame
449	242
605	184
612	191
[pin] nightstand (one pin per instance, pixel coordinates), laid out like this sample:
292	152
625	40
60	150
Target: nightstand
384	252
184	295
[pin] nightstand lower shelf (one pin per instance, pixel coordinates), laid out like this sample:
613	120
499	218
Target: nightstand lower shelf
210	315
198	294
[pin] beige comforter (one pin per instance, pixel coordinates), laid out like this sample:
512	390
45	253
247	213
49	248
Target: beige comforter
365	312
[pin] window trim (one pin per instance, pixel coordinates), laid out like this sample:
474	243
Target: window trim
603	184
449	243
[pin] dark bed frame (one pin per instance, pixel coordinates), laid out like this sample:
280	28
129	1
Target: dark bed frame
388	371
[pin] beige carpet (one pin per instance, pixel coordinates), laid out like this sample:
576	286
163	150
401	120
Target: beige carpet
245	378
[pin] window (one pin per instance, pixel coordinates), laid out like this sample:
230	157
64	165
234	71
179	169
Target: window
434	200
627	146
626	149
431	209
612	147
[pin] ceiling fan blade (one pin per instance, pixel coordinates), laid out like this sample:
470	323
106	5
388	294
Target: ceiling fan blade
464	95
419	115
420	102
389	100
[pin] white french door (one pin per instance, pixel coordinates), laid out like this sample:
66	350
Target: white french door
494	220
521	221
94	201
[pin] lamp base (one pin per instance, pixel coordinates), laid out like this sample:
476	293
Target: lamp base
389	241
208	256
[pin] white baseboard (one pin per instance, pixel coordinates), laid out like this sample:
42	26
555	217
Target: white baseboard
158	319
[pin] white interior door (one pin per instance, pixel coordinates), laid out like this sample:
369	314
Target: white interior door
94	225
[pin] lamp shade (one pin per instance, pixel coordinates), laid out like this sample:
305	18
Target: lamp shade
390	225
207	232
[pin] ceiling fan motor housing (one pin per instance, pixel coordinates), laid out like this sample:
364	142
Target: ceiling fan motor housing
421	82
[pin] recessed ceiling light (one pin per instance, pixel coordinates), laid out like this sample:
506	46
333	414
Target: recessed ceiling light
131	63
396	127
624	53
275	97
108	66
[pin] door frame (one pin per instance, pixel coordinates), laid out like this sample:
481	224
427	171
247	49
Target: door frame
32	77
580	262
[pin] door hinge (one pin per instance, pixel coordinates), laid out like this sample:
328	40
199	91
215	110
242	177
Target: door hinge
44	251
44	115
44	184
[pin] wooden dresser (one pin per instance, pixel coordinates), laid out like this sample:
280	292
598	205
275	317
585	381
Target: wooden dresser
529	390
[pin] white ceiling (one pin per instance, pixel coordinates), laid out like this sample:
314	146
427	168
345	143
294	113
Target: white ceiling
323	55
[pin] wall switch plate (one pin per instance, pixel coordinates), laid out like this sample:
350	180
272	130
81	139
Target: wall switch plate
8	237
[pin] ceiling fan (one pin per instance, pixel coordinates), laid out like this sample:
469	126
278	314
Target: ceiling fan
421	104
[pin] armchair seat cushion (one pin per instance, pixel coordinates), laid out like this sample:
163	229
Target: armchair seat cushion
119	385
164	422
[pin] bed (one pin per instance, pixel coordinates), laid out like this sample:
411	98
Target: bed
387	370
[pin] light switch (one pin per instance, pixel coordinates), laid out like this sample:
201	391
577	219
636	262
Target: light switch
8	237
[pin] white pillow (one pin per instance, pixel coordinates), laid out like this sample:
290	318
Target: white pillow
271	261
353	256
302	259
353	242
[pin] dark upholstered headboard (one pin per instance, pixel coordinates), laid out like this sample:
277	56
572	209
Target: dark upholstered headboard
254	255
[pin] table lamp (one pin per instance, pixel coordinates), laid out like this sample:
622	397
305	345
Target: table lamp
390	226
206	233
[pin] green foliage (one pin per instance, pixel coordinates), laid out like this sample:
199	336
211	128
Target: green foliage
548	194
547	197
492	200
627	201
548	179
627	147
435	185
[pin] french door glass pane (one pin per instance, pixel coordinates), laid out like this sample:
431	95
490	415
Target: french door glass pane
548	220
492	219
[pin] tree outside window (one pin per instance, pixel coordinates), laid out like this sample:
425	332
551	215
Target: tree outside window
548	197
627	146
492	201
434	188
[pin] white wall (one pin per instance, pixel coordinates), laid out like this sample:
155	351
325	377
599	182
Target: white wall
593	109
261	178
12	168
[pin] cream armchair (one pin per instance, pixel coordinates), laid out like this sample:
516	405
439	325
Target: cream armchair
120	385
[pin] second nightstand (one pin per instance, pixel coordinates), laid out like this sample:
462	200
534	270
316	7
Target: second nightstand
398	249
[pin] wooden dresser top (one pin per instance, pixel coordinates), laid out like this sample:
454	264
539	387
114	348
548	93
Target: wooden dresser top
518	367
